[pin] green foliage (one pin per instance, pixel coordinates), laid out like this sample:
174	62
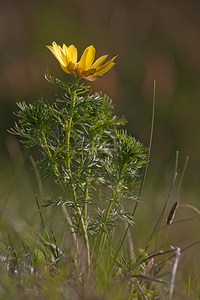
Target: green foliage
82	147
97	169
84	151
125	160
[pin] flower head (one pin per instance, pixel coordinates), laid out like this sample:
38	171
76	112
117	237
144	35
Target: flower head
86	67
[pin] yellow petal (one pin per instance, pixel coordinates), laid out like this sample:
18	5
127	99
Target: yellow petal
99	61
59	54
106	67
66	53
88	72
72	51
87	58
53	51
65	69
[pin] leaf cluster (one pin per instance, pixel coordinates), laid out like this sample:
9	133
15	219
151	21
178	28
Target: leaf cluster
82	148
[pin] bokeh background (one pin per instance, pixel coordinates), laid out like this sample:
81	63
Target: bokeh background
155	40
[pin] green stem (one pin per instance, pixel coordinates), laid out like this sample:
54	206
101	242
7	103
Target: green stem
88	180
86	195
68	132
56	172
75	207
68	166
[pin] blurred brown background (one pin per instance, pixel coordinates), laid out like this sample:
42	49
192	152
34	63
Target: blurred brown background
154	40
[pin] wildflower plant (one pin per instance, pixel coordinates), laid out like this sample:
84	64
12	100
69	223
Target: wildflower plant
84	150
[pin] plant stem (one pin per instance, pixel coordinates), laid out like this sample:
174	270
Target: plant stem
75	207
88	180
86	195
57	174
73	191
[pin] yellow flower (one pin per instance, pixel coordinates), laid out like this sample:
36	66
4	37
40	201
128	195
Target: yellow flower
86	67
